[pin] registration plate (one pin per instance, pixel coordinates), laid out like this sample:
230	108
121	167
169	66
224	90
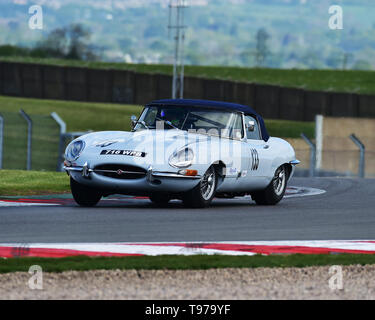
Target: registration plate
130	153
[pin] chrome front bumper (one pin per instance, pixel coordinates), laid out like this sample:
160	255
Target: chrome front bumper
152	181
151	175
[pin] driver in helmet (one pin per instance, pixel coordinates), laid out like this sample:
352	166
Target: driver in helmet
175	117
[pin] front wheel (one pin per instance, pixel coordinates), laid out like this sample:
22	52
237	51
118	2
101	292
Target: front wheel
201	196
84	196
275	190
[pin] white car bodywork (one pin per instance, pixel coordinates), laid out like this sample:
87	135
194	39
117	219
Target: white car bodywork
139	163
240	173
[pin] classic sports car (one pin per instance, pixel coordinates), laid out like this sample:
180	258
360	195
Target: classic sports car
191	150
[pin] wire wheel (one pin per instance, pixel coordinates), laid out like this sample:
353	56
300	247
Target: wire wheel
203	193
279	181
275	190
208	184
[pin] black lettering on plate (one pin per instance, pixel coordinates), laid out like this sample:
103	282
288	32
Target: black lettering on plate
129	153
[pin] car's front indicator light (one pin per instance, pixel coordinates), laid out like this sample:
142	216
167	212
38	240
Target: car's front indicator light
188	173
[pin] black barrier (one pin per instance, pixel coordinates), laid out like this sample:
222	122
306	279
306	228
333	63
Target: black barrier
366	106
32	79
344	105
267	101
53	83
129	87
123	86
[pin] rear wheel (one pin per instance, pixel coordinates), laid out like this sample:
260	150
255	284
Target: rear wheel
201	196
275	190
160	199
83	195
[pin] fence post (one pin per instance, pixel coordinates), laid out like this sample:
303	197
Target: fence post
319	119
1	140
312	155
362	149
29	137
62	126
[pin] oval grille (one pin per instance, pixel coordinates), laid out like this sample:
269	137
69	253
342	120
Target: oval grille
120	171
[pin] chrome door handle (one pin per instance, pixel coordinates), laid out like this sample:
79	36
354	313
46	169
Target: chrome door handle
266	146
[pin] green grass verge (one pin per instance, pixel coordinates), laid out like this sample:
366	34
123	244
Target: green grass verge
289	129
18	182
82	116
79	116
45	142
321	80
198	262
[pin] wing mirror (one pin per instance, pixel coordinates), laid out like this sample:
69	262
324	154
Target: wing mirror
250	126
134	121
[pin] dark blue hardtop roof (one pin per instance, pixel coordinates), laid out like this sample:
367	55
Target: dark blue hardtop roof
206	103
216	105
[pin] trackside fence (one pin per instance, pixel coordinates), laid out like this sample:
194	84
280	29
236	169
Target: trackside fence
1	140
37	142
33	142
342	147
336	162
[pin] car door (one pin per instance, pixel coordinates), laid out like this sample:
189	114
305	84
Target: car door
234	153
260	153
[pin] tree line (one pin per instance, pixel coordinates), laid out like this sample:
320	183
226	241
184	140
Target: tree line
70	42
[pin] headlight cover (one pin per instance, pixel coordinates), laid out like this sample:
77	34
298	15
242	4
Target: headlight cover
182	158
74	150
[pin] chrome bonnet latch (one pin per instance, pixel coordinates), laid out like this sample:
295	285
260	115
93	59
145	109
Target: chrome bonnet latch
86	170
150	177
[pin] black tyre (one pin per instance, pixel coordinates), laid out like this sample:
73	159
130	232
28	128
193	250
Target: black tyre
275	190
201	196
160	199
83	195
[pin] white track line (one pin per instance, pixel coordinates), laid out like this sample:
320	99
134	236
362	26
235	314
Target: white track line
4	203
292	192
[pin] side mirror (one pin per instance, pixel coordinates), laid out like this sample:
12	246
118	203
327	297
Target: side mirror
134	121
250	126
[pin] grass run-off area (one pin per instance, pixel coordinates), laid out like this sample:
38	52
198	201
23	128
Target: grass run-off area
83	116
20	182
195	262
79	116
321	80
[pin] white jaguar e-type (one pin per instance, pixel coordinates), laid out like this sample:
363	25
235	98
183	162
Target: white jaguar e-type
191	150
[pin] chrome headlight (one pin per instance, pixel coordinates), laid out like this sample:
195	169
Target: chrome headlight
182	158
74	150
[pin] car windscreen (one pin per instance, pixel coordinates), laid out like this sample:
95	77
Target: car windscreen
205	121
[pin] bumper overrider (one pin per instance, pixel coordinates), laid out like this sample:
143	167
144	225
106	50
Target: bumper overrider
148	181
293	164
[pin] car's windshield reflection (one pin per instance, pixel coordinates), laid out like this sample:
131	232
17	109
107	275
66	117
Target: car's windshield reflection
213	122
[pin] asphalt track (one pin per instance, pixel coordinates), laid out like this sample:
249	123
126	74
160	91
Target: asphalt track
346	211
